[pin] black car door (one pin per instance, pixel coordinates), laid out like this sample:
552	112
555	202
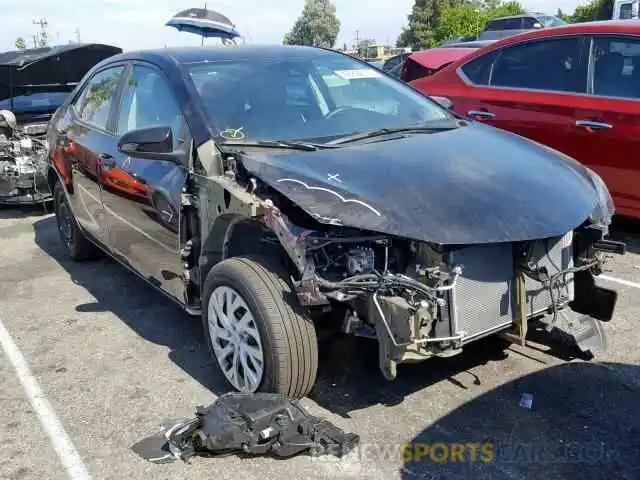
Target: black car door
86	140
142	196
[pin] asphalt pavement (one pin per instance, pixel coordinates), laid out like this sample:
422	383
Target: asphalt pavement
111	359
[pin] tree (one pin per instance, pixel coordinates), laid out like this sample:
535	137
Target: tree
467	21
563	16
21	44
594	10
433	21
317	26
423	21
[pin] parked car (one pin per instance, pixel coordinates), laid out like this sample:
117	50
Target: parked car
502	27
362	205
391	63
541	85
33	84
468	44
427	62
625	9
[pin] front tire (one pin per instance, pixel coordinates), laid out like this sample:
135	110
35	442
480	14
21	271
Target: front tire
76	243
256	330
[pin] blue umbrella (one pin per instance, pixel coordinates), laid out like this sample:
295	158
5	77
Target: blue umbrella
203	22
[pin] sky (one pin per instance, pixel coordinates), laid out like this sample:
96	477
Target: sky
140	24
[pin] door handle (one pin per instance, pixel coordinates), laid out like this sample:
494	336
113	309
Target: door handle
481	114
107	160
592	124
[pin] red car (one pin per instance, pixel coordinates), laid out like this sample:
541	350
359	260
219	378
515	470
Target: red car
575	88
427	62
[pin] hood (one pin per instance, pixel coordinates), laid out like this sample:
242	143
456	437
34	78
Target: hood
472	185
35	82
49	67
434	58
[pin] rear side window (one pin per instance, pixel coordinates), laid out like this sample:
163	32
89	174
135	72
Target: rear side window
392	62
95	101
626	11
513	23
479	69
616	67
552	65
496	25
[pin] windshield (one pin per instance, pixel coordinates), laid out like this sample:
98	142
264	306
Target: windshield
316	98
551	21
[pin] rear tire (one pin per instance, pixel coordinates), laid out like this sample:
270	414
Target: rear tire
76	243
248	305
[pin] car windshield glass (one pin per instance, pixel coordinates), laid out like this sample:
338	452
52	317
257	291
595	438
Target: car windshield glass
551	21
316	98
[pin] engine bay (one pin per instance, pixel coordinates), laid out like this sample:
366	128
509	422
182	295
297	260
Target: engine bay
23	155
419	299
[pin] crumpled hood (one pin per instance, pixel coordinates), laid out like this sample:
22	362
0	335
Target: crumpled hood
475	184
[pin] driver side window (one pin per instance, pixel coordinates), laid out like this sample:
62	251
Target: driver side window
147	100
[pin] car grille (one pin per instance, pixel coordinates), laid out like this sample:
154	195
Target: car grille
483	300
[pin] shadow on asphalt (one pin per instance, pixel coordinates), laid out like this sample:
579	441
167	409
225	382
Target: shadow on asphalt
584	424
138	305
627	230
348	378
355	382
24	211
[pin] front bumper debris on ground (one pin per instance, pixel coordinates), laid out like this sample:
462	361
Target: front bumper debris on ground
250	424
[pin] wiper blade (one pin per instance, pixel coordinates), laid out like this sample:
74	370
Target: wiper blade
286	144
390	131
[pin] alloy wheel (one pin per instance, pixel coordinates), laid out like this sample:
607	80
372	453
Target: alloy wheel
235	339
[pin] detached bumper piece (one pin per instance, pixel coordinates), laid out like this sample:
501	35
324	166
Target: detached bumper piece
250	424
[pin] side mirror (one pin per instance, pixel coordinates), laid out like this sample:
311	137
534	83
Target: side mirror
537	25
153	143
444	102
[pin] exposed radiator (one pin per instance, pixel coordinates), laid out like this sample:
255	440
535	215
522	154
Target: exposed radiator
560	257
483	301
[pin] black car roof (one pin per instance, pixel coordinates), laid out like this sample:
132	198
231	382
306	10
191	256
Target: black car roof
20	58
188	55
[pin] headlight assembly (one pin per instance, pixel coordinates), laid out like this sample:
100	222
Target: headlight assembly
604	210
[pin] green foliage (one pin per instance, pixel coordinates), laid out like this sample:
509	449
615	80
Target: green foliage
459	21
563	16
594	10
21	44
317	26
433	21
423	21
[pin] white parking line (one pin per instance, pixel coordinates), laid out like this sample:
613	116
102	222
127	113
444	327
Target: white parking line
620	281
59	438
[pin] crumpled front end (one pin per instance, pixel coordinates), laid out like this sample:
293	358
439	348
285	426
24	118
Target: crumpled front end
23	167
420	299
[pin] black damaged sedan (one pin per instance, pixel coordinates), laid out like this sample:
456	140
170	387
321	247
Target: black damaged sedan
282	191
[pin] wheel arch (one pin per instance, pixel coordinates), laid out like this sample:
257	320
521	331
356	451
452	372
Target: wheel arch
234	235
